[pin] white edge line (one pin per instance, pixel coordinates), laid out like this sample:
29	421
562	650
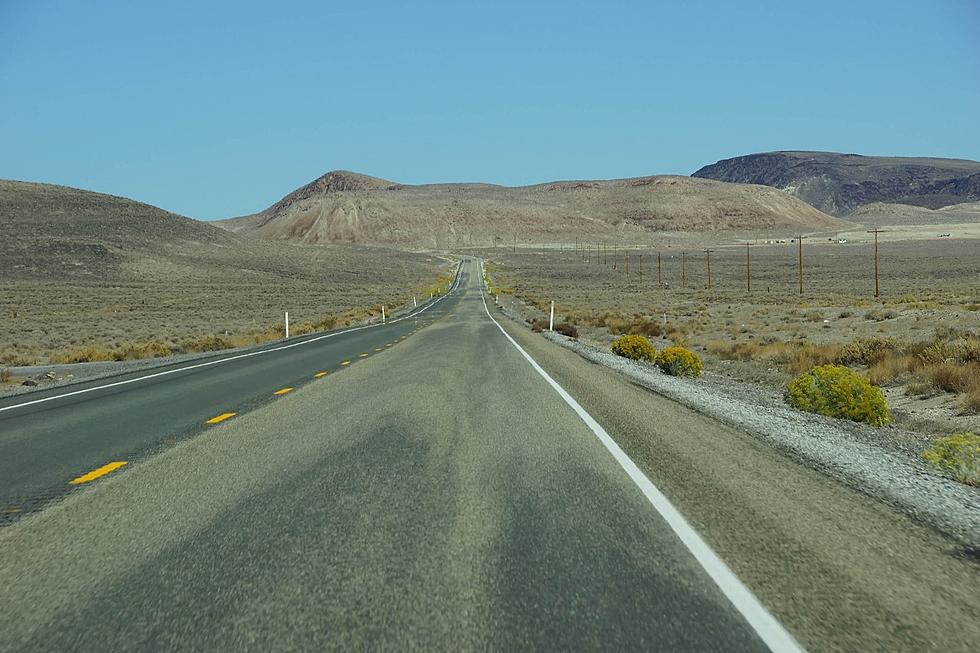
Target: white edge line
772	633
239	356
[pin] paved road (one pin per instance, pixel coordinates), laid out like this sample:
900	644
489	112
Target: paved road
65	433
443	494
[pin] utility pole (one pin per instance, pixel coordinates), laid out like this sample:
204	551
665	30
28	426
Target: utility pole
684	270
660	279
627	263
597	253
877	286
515	242
708	260
748	268
639	265
800	242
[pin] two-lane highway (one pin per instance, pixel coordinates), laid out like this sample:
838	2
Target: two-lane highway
52	440
445	495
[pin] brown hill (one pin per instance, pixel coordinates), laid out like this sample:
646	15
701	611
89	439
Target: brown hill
342	206
839	183
58	233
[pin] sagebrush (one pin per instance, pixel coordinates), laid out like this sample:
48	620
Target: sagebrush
835	391
678	361
634	347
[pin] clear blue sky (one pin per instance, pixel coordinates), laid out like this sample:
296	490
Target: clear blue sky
215	109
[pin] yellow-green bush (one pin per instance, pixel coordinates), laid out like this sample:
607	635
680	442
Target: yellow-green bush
635	347
867	351
678	361
835	391
957	454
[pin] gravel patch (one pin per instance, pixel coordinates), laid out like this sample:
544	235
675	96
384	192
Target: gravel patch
841	450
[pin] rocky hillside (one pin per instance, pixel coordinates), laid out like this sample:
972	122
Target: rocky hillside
343	206
839	183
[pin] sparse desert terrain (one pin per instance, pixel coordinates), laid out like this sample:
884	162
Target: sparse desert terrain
86	276
930	295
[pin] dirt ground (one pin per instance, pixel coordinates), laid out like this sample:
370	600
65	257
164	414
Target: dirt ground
41	320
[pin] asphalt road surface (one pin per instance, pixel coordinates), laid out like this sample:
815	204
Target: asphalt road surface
455	490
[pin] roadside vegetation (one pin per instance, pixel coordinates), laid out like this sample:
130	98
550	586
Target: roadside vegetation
958	455
909	358
836	391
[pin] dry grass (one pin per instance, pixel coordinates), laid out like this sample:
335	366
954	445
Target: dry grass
5	375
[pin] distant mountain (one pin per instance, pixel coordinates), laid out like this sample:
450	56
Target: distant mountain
343	206
839	183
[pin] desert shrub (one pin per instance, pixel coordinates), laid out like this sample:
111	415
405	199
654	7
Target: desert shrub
920	389
208	343
5	375
953	377
835	391
890	368
616	324
678	361
85	355
958	455
846	313
643	327
538	325
813	316
138	350
867	351
800	357
970	401
634	347
891	314
326	323
567	329
874	315
936	353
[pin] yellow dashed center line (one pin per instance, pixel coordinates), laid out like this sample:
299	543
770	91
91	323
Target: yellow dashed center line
96	473
389	344
319	375
365	355
345	364
282	391
11	510
378	349
220	418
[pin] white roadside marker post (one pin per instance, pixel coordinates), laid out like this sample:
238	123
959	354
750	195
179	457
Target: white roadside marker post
382	314
415	301
551	321
287	325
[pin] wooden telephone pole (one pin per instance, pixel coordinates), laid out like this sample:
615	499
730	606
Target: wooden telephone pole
708	260
748	267
660	279
877	286
684	270
799	240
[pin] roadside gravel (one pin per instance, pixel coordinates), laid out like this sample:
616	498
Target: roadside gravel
834	448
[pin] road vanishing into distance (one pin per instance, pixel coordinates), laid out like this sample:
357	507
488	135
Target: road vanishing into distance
448	480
